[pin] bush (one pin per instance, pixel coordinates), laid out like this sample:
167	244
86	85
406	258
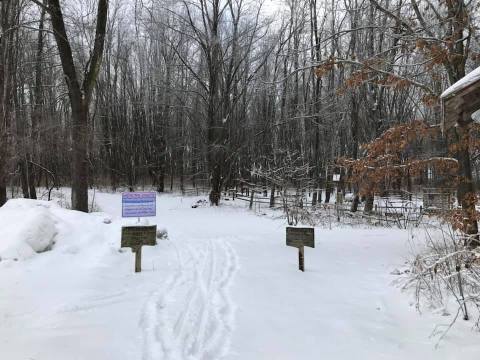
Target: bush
447	271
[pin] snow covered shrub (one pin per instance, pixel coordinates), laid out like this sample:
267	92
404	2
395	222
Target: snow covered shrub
290	175
298	215
447	272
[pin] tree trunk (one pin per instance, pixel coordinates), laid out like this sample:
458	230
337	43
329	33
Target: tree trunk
465	189
79	94
368	204
9	17
355	202
37	110
24	178
161	182
320	191
79	169
3	193
31	181
216	186
328	187
272	196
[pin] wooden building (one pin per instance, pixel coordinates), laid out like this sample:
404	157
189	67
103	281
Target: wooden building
460	102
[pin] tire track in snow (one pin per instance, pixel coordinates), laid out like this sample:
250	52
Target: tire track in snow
192	316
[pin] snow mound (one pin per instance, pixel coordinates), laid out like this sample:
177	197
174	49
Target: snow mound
26	228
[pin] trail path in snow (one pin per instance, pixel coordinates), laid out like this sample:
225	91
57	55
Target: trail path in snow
192	316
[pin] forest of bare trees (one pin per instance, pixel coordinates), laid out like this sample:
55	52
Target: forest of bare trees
216	92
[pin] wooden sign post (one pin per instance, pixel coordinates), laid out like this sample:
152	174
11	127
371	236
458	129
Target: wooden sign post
299	238
137	236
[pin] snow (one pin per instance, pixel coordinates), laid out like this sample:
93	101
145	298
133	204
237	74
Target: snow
222	286
466	81
476	116
27	229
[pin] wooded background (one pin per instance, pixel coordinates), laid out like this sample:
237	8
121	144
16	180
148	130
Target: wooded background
215	92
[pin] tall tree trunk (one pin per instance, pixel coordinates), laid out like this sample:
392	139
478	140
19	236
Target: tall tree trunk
216	127
9	14
79	170
3	192
80	95
37	108
354	129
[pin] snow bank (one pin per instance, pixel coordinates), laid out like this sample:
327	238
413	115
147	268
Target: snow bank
461	84
26	228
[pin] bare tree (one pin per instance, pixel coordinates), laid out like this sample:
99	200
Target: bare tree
9	18
80	94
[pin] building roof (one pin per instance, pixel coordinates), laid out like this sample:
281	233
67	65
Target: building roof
470	79
462	100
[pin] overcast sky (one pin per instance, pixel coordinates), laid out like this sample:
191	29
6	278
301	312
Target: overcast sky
271	6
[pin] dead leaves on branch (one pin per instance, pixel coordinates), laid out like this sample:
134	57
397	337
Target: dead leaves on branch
395	156
462	218
376	70
430	100
399	154
371	71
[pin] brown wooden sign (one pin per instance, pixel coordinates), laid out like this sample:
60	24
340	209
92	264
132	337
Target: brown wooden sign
300	237
137	236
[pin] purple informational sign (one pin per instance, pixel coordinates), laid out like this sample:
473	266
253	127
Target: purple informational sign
139	204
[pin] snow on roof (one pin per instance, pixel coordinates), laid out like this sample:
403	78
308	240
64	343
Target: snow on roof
476	116
464	82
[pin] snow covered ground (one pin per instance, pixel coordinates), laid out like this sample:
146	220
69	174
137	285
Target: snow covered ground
223	286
